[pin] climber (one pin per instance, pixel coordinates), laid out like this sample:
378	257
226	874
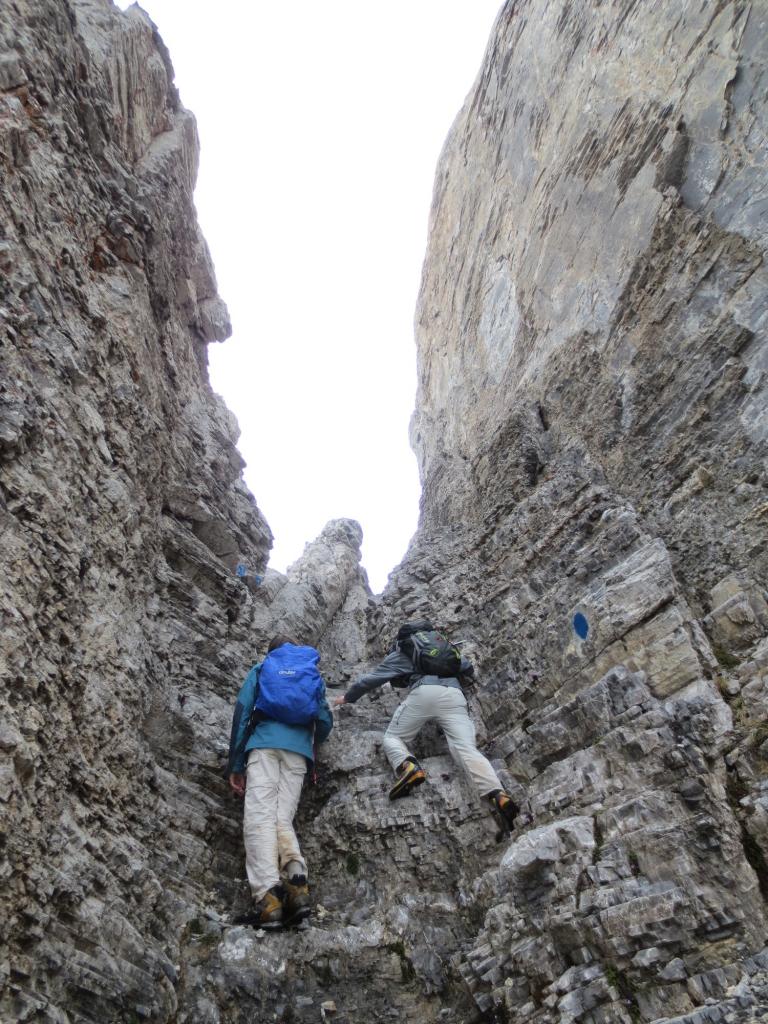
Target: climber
438	697
280	715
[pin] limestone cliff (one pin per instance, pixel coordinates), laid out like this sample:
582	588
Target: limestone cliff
122	518
591	431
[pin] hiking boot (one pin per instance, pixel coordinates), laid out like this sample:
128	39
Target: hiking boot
504	810
409	774
296	905
266	912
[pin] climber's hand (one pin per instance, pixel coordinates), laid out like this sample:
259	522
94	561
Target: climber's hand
237	783
338	701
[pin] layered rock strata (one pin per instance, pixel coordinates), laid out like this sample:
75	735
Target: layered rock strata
590	428
123	516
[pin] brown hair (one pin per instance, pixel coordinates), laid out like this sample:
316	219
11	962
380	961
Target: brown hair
278	641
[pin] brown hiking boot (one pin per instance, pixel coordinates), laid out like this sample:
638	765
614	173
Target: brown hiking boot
296	905
409	774
504	810
266	912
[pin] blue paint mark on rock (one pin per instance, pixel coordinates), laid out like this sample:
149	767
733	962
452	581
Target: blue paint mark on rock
580	625
242	569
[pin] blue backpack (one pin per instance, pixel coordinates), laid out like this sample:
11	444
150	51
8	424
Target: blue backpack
291	688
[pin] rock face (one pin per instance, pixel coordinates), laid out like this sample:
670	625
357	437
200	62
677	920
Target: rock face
591	428
123	516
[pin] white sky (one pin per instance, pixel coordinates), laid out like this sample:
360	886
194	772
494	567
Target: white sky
321	125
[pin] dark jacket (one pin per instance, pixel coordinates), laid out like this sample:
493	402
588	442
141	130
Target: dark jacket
397	665
269	734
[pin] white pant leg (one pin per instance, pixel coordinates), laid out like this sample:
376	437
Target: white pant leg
453	717
293	768
260	820
418	707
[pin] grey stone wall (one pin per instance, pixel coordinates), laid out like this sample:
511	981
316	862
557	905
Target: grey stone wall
590	428
123	515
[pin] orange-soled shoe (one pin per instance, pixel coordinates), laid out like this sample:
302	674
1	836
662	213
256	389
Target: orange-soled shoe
504	810
409	775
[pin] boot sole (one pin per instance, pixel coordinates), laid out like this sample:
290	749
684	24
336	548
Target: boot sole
404	786
253	921
298	917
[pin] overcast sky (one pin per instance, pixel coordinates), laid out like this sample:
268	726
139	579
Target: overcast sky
320	126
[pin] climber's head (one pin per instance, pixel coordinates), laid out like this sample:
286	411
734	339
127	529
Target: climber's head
409	628
278	641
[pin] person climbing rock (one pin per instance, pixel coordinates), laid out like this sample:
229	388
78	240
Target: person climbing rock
432	668
280	715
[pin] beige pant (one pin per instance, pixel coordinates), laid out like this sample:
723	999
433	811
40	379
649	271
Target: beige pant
272	795
448	706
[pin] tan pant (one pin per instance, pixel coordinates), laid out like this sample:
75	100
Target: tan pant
274	780
448	706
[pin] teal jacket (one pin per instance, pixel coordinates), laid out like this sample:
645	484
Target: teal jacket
269	734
